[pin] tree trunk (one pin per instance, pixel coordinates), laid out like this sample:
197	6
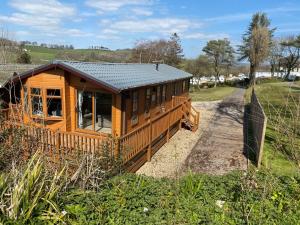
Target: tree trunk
252	74
288	72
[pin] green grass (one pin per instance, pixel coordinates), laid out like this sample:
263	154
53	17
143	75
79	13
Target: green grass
41	55
273	97
211	94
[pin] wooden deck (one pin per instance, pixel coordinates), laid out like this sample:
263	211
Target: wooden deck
135	148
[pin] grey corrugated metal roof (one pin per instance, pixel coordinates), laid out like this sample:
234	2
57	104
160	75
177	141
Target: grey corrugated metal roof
8	70
124	76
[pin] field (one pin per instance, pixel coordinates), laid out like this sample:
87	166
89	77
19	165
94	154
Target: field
211	94
281	102
42	55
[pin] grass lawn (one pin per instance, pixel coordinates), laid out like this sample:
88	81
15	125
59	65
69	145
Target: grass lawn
280	99
211	94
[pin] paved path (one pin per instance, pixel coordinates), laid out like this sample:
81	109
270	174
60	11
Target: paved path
216	148
220	148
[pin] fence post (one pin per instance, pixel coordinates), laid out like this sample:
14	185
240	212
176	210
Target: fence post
150	142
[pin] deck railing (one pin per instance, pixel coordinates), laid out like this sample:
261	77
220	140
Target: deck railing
128	146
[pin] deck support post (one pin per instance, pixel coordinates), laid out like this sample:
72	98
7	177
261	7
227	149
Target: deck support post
150	142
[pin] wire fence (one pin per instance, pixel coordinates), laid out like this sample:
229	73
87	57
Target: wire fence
258	120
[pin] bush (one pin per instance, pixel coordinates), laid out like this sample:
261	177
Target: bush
24	58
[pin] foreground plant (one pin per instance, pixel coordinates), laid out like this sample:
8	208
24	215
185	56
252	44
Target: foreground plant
29	195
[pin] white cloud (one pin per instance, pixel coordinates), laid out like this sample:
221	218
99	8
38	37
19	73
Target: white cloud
142	12
49	8
114	5
203	36
155	25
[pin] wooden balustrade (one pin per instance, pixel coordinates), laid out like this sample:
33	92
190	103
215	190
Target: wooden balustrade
58	143
142	138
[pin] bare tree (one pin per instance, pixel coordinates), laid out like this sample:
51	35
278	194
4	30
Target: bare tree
8	48
291	54
275	56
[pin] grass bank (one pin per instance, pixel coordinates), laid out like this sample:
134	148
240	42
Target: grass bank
281	101
211	94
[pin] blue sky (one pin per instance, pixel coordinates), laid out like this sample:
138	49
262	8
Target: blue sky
120	23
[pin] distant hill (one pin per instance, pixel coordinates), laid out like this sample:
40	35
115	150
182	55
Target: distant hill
42	55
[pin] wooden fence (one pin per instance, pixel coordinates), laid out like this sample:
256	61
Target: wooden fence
258	120
141	143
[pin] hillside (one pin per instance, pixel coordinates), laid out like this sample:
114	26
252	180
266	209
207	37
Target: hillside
42	55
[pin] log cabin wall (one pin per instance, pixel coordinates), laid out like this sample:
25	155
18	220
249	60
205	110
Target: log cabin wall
68	84
51	79
172	89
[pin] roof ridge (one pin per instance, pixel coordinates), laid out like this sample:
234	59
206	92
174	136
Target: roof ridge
102	63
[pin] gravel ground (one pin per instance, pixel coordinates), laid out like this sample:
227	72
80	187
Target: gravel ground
169	161
217	147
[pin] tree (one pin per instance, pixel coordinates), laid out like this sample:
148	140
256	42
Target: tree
291	54
8	48
24	58
168	51
175	52
221	53
275	56
256	43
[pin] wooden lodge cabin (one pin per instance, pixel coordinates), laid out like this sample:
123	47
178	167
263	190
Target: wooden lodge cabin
142	105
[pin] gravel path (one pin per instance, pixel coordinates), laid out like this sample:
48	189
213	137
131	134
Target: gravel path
220	149
215	148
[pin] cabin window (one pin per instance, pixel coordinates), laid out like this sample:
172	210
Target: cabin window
36	101
174	89
147	100
85	110
158	102
153	98
163	95
94	111
134	117
183	86
54	103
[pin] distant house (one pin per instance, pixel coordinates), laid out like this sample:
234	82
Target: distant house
106	98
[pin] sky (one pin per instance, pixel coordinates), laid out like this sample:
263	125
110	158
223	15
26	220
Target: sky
119	24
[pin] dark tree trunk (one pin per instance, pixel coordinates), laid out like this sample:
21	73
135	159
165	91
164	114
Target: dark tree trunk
252	74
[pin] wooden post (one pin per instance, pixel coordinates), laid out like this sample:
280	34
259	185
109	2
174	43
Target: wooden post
150	142
57	146
168	132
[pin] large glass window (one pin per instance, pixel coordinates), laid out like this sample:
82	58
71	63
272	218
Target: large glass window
36	102
134	117
102	111
163	95
147	101
94	111
85	110
54	103
158	95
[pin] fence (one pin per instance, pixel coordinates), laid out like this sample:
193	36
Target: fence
141	143
259	122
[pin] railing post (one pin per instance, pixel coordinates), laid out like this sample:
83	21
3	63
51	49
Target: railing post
150	142
57	146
